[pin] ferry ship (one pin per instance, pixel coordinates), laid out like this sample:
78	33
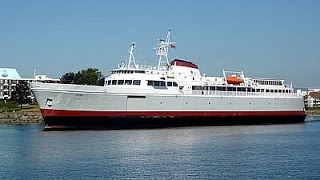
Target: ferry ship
174	93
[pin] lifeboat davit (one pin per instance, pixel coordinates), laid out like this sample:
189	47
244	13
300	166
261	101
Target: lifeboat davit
234	80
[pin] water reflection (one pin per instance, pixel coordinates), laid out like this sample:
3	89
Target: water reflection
228	152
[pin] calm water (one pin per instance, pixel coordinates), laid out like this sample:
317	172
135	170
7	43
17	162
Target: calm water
218	152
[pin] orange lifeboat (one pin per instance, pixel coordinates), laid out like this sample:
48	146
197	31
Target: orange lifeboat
234	80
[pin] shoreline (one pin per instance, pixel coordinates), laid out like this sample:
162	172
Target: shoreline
35	117
21	117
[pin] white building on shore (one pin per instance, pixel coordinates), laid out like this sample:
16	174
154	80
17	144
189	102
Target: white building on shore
10	78
312	99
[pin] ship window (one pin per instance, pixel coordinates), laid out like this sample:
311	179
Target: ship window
150	83
136	82
258	90
231	89
197	88
156	83
175	84
241	89
169	83
109	82
221	88
212	88
128	82
267	90
120	82
162	83
114	82
249	89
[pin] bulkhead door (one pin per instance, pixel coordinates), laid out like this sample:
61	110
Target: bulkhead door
136	102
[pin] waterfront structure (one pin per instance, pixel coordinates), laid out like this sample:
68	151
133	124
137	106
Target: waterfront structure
312	99
174	93
10	78
45	79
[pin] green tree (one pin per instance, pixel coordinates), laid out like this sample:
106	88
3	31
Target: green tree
68	78
90	76
22	93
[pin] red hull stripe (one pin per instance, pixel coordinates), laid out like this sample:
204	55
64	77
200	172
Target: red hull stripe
67	113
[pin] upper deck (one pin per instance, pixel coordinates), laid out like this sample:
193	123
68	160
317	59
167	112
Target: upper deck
184	77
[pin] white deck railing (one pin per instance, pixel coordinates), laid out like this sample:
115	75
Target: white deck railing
236	93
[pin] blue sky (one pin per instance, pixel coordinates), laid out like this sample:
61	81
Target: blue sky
267	38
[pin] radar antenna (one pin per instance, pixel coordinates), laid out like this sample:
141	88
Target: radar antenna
132	61
162	51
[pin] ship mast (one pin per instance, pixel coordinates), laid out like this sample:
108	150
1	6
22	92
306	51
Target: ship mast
132	61
162	51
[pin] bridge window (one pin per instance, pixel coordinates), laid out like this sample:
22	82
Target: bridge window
136	82
175	84
120	82
156	83
161	83
114	82
128	82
